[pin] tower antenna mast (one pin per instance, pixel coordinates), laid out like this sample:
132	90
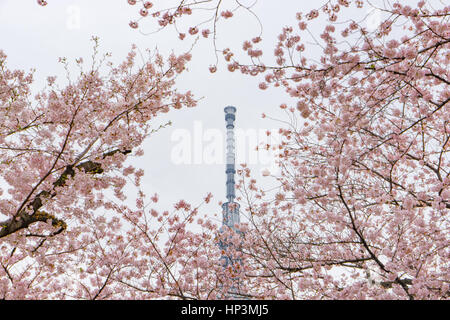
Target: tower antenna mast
230	209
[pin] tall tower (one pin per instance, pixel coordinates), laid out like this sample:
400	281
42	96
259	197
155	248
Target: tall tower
230	208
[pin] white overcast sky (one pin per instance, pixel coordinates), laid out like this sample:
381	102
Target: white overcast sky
35	37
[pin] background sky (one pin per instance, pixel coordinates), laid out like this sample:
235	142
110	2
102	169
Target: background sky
35	37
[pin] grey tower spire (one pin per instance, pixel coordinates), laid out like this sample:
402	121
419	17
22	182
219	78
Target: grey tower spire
230	208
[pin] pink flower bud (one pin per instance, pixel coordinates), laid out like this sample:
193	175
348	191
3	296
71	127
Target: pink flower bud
226	14
212	69
205	33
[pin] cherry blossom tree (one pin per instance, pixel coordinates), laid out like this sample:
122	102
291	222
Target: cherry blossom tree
64	231
361	205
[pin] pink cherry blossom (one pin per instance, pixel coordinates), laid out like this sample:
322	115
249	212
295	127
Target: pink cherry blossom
143	12
148	4
133	24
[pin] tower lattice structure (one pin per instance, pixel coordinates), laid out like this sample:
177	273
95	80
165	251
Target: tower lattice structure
230	209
